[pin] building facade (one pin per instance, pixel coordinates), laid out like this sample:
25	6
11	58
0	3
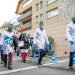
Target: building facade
50	12
24	9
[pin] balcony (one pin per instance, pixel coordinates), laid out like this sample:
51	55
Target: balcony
28	14
27	5
27	25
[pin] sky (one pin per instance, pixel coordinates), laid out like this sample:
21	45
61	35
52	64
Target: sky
7	10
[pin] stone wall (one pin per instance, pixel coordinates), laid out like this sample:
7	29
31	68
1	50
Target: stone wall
66	8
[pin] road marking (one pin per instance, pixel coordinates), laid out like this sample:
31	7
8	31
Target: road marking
28	68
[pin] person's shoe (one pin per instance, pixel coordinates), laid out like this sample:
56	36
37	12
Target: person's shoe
1	62
71	67
24	61
5	65
39	64
9	67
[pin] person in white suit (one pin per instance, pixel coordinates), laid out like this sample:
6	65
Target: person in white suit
70	31
7	46
40	39
1	45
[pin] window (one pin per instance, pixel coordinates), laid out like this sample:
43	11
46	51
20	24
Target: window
50	1
41	4
26	24
37	17
52	13
41	17
37	6
23	22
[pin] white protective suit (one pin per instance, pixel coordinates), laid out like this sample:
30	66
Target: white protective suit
71	36
7	48
1	40
40	38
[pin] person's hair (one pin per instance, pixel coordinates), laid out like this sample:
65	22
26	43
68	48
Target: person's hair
9	24
41	23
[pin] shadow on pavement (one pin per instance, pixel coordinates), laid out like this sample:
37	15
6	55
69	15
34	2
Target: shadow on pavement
60	68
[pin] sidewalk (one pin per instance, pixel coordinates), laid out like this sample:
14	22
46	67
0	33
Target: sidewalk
50	68
17	63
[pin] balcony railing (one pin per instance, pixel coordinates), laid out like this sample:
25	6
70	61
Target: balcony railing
27	3
27	25
28	14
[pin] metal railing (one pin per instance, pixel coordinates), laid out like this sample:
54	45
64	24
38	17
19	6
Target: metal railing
28	14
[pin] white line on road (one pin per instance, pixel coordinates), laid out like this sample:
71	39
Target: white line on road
28	68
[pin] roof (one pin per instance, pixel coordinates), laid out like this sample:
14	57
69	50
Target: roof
18	5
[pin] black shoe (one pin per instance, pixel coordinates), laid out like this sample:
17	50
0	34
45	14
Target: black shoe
5	65
39	64
24	61
71	67
10	68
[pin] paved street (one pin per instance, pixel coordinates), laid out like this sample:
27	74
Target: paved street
30	68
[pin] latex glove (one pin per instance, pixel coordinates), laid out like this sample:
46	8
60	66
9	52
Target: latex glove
33	46
47	47
71	42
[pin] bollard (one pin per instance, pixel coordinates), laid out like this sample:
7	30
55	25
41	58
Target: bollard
34	58
20	55
54	59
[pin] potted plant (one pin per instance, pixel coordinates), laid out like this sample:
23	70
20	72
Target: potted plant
51	40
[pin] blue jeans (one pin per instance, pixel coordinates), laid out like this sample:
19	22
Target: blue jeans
40	56
71	59
1	52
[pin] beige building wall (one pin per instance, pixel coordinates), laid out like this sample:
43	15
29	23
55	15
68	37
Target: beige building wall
54	26
24	9
20	7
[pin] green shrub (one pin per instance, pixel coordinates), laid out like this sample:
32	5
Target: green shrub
51	39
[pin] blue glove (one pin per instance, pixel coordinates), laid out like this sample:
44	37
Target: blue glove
33	46
48	47
71	42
